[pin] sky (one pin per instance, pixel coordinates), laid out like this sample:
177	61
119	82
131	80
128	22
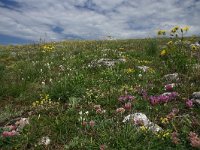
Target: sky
26	21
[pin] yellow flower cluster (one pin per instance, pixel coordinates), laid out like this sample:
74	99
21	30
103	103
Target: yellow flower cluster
174	29
186	28
129	70
142	61
143	128
170	43
44	102
164	120
121	49
161	32
47	48
164	134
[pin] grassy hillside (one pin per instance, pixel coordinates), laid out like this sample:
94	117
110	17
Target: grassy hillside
77	94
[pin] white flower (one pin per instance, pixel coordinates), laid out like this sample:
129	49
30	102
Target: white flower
87	112
80	113
45	141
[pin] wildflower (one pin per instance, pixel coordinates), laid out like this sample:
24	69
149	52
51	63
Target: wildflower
34	104
45	141
189	103
166	134
103	147
169	87
164	120
161	32
186	28
163	52
121	48
194	140
170	43
97	107
175	138
84	123
194	48
120	110
92	123
9	133
143	128
129	70
127	106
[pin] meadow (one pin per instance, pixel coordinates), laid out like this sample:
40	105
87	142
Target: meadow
78	94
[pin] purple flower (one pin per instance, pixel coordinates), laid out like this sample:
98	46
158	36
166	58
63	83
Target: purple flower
189	103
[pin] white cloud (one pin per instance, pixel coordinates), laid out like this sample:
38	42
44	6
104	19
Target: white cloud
93	19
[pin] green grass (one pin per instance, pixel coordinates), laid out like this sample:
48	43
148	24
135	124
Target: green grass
70	74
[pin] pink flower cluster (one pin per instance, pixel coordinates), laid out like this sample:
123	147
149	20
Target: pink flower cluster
163	98
10	131
175	138
91	123
194	140
126	98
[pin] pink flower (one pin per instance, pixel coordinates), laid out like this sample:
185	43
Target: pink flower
84	123
189	103
9	133
120	110
97	107
127	106
175	138
92	123
169	87
194	140
102	147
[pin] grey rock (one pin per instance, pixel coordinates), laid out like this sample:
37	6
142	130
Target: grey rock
172	77
196	95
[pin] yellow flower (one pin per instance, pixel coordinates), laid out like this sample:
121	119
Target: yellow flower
161	32
163	52
194	48
129	70
170	43
143	128
167	134
164	120
121	48
186	28
34	104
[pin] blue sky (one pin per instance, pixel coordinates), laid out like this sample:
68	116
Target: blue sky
26	21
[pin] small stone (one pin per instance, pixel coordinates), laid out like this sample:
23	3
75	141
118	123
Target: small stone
196	95
172	77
